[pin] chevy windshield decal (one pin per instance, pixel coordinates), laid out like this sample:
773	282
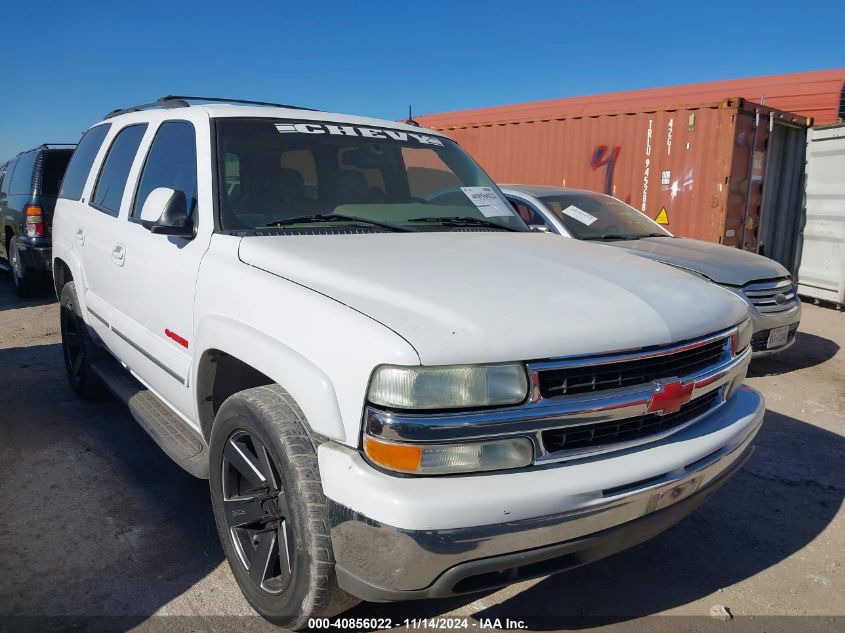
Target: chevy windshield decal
356	130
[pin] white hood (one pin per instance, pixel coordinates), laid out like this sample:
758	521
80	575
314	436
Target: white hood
467	297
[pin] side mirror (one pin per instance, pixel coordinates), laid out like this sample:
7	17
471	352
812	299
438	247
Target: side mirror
165	212
540	228
2	196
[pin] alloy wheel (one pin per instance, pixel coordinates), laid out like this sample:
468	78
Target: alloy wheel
257	514
15	264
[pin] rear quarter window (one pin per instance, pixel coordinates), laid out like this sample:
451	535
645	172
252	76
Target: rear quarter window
22	178
76	174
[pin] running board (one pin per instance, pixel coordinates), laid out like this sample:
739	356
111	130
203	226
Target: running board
181	443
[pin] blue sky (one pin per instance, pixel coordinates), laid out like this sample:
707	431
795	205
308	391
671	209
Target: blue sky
69	63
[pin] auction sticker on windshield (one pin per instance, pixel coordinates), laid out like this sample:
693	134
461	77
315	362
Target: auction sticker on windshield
579	214
490	204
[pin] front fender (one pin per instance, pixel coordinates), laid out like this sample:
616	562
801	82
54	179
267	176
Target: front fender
305	382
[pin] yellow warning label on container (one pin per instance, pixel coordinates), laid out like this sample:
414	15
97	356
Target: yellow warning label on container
662	217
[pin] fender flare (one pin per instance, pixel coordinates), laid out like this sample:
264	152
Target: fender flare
305	382
71	260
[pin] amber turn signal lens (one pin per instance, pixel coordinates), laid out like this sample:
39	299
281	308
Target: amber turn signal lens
448	459
393	456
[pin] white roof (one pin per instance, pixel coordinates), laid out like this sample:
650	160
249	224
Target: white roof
228	111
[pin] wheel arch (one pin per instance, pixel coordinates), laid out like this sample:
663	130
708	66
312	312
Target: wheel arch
233	356
61	275
67	267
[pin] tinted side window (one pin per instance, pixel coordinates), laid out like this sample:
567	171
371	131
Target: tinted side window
22	178
171	162
52	169
80	163
7	176
112	181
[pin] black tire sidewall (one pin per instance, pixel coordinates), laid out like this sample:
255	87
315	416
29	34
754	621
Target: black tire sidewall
85	384
289	606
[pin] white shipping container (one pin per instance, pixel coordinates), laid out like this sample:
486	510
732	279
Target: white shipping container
822	271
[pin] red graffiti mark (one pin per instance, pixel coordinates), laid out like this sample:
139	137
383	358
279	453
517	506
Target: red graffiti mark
603	156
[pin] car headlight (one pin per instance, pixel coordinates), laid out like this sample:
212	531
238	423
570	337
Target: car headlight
742	338
446	459
448	387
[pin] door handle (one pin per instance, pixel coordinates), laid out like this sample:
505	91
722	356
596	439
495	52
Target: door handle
118	254
80	237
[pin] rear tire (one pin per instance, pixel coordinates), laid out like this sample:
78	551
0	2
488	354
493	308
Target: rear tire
78	348
270	510
26	281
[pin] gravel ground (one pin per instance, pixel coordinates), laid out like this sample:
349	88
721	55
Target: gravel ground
96	521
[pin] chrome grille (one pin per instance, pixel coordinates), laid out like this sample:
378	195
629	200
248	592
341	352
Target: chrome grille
604	433
570	381
771	297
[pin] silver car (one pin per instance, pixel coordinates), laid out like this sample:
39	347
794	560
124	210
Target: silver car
764	284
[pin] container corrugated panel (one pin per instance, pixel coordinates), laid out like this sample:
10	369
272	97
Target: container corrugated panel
811	94
822	271
702	166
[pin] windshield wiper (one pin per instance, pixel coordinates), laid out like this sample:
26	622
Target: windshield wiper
612	237
459	220
656	235
334	217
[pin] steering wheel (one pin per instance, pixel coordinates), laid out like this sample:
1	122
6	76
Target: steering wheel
434	196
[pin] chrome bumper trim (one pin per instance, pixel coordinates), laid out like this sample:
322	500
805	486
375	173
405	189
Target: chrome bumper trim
409	560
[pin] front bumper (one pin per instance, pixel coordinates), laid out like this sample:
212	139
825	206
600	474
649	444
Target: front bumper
399	538
762	324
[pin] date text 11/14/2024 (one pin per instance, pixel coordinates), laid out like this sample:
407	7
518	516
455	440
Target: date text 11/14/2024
440	624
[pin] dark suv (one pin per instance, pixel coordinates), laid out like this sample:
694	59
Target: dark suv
29	184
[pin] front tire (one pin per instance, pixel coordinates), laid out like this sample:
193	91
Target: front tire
270	509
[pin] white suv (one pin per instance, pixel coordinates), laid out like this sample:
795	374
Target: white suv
342	323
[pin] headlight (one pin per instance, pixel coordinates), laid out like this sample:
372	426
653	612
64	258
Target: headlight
743	336
445	459
448	387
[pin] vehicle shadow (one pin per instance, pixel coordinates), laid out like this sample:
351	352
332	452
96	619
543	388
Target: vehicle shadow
787	493
808	350
91	503
10	301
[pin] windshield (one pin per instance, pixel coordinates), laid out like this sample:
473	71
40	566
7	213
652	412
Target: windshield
593	216
293	175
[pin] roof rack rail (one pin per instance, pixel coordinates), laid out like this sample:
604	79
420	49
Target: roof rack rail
239	101
179	101
165	103
45	146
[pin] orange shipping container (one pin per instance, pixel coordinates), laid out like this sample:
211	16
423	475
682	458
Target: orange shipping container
728	171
